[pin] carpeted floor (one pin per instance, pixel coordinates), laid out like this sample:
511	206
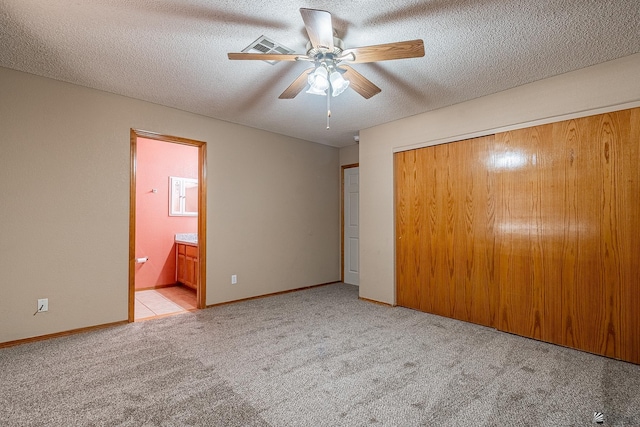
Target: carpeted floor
318	357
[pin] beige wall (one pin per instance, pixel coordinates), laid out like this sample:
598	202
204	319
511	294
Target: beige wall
612	85
349	155
272	218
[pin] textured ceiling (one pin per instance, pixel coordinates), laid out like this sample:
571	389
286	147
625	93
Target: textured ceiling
174	52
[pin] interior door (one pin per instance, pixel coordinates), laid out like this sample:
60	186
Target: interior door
351	226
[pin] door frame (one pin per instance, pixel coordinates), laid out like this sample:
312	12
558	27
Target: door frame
201	293
342	169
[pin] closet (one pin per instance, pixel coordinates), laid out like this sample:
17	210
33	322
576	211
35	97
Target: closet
534	231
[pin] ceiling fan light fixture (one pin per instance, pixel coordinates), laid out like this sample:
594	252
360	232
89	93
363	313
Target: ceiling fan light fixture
338	83
318	81
315	91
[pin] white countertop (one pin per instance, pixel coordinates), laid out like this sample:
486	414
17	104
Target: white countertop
187	238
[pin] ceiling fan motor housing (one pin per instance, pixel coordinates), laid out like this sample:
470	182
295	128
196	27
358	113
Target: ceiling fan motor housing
317	53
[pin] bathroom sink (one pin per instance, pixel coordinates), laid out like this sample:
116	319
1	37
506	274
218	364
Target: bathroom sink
187	238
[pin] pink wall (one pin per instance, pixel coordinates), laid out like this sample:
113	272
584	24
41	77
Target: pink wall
155	229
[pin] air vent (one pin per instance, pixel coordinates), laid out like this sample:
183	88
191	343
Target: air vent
266	45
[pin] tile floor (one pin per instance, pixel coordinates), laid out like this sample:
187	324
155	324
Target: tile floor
162	302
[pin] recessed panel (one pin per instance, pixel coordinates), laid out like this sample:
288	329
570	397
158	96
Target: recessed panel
353	248
354	209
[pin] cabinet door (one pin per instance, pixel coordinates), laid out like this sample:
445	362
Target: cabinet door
181	264
196	273
189	278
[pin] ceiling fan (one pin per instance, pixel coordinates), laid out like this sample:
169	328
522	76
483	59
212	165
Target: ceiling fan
330	73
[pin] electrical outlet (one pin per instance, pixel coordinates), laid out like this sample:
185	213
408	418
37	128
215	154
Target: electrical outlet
234	279
43	305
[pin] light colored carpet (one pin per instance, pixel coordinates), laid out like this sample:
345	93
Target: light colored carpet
318	357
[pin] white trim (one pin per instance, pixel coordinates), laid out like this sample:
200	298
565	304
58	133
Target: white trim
538	122
178	193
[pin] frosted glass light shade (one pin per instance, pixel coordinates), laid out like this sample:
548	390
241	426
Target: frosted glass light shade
318	81
338	83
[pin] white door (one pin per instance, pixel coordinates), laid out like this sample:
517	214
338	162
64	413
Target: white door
351	226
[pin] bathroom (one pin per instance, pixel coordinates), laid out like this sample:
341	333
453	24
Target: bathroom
166	224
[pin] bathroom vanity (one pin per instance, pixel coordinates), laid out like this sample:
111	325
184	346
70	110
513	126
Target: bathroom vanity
187	260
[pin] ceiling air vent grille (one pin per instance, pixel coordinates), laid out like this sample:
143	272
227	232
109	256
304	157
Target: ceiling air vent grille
266	45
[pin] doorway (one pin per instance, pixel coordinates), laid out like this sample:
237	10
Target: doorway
168	259
350	224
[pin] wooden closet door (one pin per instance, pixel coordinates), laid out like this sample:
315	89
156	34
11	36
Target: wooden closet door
444	221
408	212
522	174
472	188
565	224
440	229
630	290
594	272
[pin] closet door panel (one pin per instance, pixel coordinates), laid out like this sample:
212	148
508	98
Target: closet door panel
408	213
630	289
428	161
547	242
522	179
444	220
438	242
574	224
474	283
582	288
608	132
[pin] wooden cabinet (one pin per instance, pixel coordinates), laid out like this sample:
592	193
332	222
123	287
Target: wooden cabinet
187	265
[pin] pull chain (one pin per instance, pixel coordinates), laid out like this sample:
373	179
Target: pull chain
328	105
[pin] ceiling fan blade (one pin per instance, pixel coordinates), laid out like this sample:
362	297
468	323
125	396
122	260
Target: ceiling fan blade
359	83
296	87
264	56
385	52
319	28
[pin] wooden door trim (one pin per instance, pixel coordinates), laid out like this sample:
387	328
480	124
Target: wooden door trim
201	294
342	169
521	125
